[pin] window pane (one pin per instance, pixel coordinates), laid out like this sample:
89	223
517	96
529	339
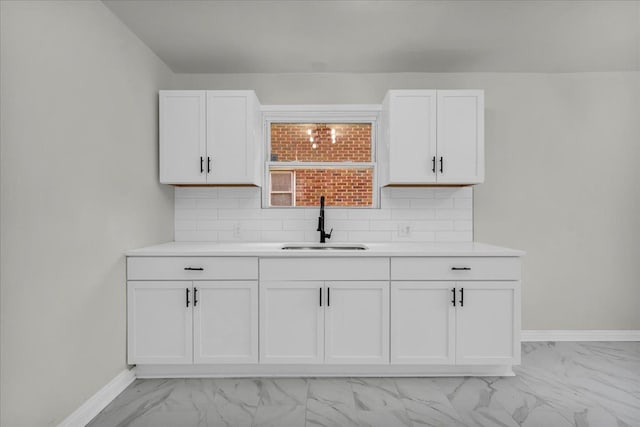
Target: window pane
332	142
341	187
281	199
281	181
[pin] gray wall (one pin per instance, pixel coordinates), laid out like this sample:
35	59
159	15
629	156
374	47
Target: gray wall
79	185
562	153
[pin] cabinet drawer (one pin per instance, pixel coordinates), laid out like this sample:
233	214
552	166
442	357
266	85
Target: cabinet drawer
192	268
324	269
455	268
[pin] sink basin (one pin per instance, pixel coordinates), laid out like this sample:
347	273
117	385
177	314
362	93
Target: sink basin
324	246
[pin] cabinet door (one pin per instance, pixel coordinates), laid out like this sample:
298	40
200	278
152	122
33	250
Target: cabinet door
460	136
182	137
422	323
291	322
231	137
357	322
488	323
225	322
159	322
412	134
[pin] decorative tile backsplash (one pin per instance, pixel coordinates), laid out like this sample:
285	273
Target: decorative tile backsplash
412	214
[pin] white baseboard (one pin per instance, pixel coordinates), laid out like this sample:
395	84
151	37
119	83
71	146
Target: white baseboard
579	335
96	403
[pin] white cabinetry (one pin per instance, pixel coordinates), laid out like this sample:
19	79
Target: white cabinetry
422	323
488	323
192	320
331	320
183	137
159	322
357	322
291	322
209	137
432	137
225	324
471	321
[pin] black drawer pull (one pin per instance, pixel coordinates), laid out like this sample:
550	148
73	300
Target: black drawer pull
194	268
461	297
321	297
441	165
201	164
195	296
460	268
453	296
433	164
328	297
187	294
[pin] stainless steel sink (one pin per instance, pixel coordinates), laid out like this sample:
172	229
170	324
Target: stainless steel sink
324	246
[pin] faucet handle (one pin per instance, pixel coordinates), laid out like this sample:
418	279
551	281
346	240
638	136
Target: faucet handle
328	235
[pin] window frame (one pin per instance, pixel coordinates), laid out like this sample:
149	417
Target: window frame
320	114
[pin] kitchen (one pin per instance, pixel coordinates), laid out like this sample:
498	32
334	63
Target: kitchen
80	165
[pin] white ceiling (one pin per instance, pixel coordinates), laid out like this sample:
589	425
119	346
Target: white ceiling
387	36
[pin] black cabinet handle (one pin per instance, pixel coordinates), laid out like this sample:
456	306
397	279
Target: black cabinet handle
461	297
187	294
460	268
201	164
441	165
194	268
453	296
328	297
320	296
208	164
195	296
433	164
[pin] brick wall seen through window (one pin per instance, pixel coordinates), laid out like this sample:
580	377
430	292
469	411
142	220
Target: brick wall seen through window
315	145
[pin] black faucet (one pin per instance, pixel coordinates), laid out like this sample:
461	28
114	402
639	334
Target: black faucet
323	235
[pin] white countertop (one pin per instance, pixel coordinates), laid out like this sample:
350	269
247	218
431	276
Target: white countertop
262	249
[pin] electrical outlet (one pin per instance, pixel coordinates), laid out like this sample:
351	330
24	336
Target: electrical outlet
404	230
236	230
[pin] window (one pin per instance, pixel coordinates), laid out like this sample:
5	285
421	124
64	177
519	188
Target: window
308	159
282	185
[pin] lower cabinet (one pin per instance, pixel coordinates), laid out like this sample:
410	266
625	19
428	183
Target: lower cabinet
422	323
159	322
395	315
488	323
291	322
336	322
464	323
185	322
225	322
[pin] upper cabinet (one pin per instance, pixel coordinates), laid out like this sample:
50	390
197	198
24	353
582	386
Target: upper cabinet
210	137
432	137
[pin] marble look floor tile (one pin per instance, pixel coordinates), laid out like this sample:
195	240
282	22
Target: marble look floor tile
384	418
225	414
280	416
433	414
239	391
331	391
472	394
283	391
423	389
486	417
140	398
330	415
169	419
375	394
559	384
547	416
